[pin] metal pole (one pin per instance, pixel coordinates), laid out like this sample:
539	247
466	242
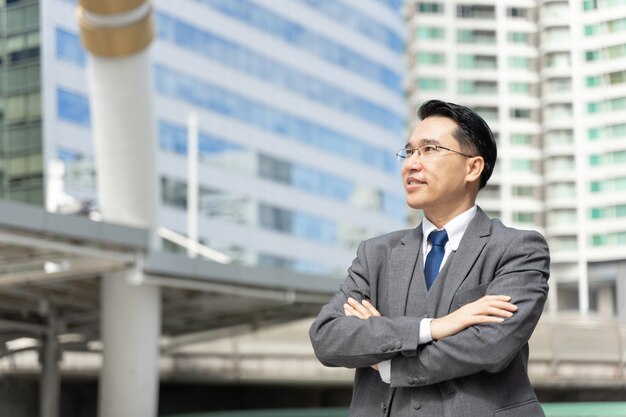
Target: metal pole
50	381
192	185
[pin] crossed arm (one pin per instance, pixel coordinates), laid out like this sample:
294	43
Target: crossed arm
489	309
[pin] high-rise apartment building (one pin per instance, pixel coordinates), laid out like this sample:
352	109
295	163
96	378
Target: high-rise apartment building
300	108
550	78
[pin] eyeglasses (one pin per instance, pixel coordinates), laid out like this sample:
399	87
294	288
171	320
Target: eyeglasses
427	152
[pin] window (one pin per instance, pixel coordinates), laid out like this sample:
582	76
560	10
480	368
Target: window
519	62
595	160
519	37
560	164
487	113
523	191
593	81
517	113
598	212
430	58
523	217
561	216
68	47
298	224
521	139
478	87
522	165
476	11
595	186
519	88
477	61
73	107
22	78
565	190
431	84
557	60
518	12
486	37
430	7
559	138
618	77
599	240
429	32
23	107
558	85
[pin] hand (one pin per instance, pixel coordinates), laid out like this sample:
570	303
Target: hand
363	310
489	309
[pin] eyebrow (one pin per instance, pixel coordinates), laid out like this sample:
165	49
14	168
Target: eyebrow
423	142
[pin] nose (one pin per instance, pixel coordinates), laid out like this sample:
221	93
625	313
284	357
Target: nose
412	162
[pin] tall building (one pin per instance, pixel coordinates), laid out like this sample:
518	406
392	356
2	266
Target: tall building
550	78
300	109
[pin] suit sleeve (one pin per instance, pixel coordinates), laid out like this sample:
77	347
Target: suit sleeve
522	273
352	342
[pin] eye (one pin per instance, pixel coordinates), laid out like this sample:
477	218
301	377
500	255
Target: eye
426	149
409	152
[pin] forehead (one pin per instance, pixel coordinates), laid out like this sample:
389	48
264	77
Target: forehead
434	129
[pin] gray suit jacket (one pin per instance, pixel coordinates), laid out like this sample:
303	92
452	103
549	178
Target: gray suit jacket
481	371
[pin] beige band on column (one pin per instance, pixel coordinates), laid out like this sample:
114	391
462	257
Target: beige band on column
115	41
110	6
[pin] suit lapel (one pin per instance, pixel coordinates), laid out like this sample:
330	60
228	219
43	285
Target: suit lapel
470	248
402	263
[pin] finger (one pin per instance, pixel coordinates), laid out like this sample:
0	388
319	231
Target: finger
359	307
504	305
371	308
349	311
488	319
497	312
497	297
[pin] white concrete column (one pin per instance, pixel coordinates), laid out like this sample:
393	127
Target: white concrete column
117	33
131	328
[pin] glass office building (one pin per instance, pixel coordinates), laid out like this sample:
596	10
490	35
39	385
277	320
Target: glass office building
300	108
550	78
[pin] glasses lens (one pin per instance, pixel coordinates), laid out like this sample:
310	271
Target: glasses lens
401	154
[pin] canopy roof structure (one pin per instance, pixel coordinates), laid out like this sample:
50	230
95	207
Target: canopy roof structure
51	266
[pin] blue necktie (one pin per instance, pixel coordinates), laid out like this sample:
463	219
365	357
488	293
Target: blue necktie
438	239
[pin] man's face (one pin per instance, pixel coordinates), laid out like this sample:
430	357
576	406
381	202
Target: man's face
437	186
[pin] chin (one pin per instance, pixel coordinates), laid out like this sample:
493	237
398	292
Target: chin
415	204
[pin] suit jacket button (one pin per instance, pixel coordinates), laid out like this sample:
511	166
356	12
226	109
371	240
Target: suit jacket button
411	381
398	345
417	405
383	348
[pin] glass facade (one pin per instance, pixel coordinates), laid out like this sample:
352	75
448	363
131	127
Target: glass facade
21	161
293	165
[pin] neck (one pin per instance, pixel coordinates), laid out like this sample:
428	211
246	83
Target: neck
440	216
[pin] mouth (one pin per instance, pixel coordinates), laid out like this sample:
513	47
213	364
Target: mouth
414	182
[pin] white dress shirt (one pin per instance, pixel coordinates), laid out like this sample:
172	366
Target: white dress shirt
456	229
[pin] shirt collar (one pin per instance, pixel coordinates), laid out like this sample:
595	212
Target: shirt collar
455	228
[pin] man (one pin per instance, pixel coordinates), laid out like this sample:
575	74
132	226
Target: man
444	317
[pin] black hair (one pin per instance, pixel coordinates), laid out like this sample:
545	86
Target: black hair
472	132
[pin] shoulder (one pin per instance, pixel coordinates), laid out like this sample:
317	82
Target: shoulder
390	238
512	239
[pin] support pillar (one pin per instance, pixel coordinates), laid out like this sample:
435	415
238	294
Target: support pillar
117	33
131	326
50	380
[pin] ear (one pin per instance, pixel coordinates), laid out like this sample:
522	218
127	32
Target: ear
475	168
